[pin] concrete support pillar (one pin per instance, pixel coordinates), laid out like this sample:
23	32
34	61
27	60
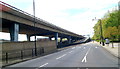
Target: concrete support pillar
75	39
50	38
61	39
69	39
28	37
56	38
14	31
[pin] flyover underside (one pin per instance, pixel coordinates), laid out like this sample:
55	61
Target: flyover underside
29	30
23	29
16	21
38	23
32	31
25	23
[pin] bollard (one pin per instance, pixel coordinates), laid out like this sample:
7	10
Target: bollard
42	50
21	54
112	45
32	53
6	57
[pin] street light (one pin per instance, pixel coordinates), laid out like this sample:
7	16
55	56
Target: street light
34	26
101	34
119	5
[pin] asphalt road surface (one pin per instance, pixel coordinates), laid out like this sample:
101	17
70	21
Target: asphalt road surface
81	55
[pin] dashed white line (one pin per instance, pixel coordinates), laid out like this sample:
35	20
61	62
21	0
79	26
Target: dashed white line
70	51
61	56
43	65
96	47
73	48
85	57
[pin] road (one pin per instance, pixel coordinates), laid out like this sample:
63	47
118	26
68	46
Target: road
81	55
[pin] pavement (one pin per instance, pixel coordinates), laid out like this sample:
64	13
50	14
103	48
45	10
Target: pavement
113	50
81	55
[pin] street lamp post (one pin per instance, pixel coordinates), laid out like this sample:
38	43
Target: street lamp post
118	17
34	26
119	5
101	32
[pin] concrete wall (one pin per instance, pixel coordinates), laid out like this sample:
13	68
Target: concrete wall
15	46
13	49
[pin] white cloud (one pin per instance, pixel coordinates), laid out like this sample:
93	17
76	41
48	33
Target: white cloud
52	11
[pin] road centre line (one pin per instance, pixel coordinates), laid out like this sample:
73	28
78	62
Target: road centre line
70	51
61	56
73	48
85	57
43	65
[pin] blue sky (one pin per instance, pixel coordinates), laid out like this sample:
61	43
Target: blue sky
73	15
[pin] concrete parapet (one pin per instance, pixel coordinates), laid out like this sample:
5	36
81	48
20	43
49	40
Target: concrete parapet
12	51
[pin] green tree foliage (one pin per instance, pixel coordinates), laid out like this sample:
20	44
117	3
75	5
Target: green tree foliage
110	26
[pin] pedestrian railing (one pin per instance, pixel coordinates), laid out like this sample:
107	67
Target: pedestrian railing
20	55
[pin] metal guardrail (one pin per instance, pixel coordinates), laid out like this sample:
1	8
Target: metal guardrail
20	55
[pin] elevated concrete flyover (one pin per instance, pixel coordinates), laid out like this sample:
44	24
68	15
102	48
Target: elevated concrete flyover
16	21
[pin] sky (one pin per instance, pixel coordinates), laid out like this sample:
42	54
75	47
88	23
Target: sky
73	15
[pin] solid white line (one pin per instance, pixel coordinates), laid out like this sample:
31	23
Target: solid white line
43	65
85	57
61	56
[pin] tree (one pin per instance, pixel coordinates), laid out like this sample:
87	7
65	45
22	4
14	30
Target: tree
110	32
110	26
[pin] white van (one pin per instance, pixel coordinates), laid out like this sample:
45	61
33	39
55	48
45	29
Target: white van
107	41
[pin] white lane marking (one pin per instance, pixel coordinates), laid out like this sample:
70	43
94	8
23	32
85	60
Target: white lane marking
96	47
70	51
73	48
61	56
84	59
43	65
84	47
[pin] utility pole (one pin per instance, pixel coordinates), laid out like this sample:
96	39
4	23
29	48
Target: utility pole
119	5
101	32
118	17
101	36
34	27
